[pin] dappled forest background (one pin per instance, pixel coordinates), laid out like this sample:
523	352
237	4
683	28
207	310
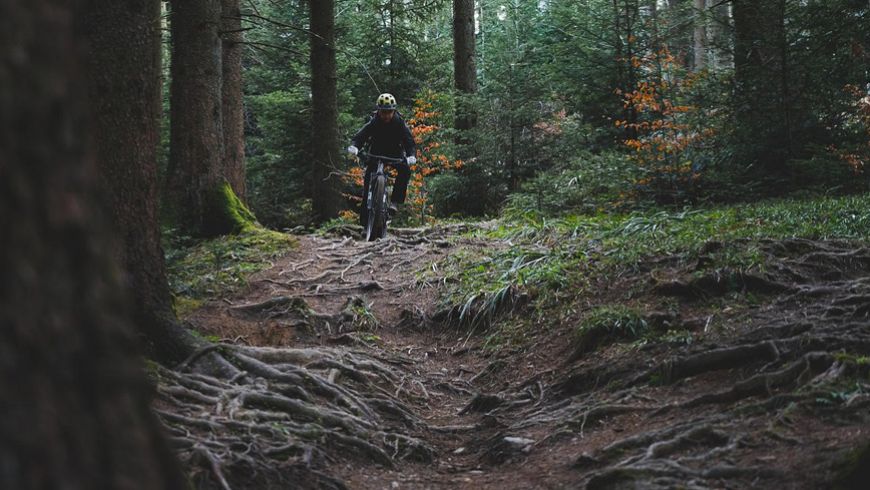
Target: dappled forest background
580	105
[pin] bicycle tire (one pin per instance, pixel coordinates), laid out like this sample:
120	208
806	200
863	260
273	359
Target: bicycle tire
377	224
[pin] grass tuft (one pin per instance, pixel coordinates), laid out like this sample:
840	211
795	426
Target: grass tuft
554	259
606	325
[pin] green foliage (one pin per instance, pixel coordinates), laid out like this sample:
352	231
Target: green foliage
628	237
396	47
277	170
379	48
860	361
788	113
546	259
585	183
549	79
607	324
550	76
358	313
204	270
591	50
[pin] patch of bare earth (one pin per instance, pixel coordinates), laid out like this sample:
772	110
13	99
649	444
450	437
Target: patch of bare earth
771	392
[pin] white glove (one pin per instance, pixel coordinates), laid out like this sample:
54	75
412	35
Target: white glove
352	150
412	160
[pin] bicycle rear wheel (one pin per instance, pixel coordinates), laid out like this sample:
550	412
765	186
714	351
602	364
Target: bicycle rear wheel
377	219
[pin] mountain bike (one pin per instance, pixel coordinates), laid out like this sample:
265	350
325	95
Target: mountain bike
377	206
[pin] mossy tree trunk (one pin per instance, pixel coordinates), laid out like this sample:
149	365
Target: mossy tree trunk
123	74
196	174
326	190
233	105
75	401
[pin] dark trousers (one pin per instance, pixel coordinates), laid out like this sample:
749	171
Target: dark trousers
400	185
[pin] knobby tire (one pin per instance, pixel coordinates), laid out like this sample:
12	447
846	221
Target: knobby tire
377	222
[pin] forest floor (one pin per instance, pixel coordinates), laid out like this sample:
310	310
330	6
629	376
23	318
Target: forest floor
668	374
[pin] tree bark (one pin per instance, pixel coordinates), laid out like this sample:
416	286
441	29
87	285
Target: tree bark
123	75
699	38
719	39
232	90
202	203
465	72
326	194
74	397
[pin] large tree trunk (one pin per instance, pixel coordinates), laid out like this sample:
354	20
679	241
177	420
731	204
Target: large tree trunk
74	397
699	37
123	70
760	83
233	106
720	34
201	201
465	73
326	192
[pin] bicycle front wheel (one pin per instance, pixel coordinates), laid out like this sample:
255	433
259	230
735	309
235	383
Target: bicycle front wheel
377	222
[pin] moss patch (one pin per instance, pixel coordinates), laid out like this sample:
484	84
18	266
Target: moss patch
227	213
214	268
184	305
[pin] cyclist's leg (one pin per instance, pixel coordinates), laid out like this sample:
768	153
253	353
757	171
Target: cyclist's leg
400	186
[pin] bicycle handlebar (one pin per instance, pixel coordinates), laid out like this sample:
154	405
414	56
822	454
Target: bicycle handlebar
381	157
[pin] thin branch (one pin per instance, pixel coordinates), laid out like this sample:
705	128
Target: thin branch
258	44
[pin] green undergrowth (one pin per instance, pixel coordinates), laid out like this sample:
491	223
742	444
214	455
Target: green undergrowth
554	259
202	270
630	237
607	324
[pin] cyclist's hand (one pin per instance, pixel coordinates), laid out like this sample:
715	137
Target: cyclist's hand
412	160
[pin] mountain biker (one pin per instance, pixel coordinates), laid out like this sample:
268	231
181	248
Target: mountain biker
387	135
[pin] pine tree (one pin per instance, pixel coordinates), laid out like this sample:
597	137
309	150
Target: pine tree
202	202
124	87
324	114
465	73
231	92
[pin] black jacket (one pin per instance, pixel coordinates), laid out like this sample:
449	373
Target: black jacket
386	139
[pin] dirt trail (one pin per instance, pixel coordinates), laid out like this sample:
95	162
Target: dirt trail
776	396
367	297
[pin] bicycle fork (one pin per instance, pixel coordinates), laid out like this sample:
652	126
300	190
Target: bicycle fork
370	197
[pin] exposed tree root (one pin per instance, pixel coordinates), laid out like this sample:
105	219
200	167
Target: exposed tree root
661	415
719	283
293	413
791	363
785	362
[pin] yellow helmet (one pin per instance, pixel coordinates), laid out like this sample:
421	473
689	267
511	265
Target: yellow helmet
386	101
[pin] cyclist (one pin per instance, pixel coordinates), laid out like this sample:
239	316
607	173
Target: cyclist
387	135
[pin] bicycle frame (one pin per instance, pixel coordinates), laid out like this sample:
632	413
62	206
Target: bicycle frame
376	205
